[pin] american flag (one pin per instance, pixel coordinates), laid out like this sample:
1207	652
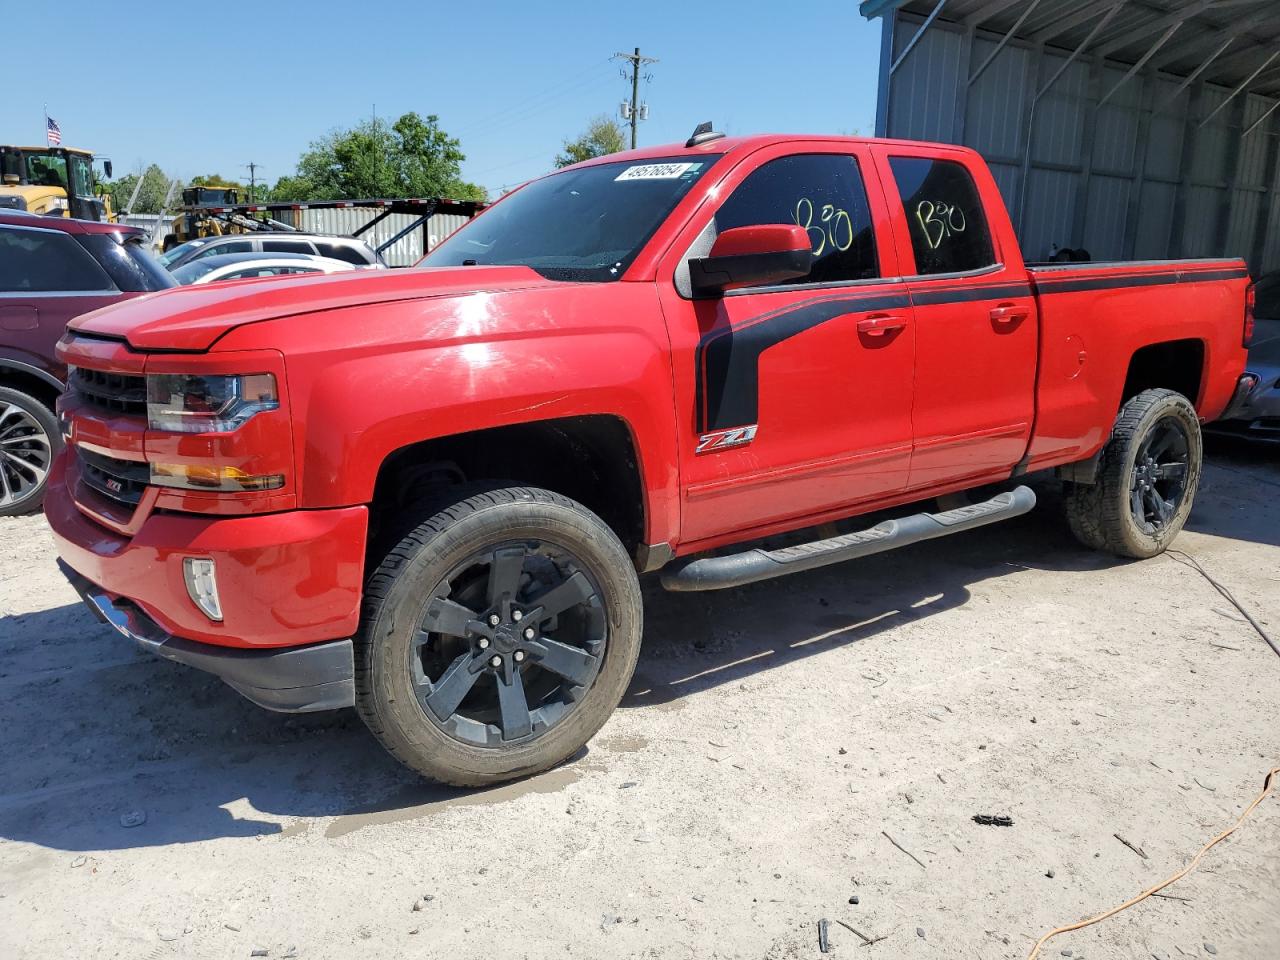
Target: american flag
54	134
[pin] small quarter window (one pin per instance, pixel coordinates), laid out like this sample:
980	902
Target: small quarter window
948	226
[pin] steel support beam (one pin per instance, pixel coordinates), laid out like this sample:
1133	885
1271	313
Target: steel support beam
1177	229
1194	75
911	44
1261	120
1031	119
1258	251
1003	41
1164	38
1138	164
1243	83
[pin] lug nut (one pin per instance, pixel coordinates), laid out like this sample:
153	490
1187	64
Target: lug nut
529	633
519	656
495	661
494	620
483	643
517	615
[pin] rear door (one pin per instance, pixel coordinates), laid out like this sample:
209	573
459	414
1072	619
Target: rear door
794	400
46	279
975	315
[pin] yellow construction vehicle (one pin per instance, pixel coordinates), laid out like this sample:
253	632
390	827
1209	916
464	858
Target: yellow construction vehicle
52	181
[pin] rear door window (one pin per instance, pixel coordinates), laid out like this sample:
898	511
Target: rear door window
342	251
287	246
47	261
225	246
948	227
822	192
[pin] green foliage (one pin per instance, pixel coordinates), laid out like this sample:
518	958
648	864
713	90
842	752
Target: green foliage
603	136
412	157
150	198
214	180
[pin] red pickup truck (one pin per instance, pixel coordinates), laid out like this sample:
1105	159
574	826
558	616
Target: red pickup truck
429	493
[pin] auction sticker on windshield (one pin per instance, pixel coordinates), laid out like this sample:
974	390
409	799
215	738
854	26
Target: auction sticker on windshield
657	171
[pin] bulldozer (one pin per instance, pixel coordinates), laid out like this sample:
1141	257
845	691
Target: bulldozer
53	181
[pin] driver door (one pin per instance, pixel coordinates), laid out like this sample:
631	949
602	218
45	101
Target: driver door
794	400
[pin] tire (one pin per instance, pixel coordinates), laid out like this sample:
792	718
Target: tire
29	440
1150	465
424	675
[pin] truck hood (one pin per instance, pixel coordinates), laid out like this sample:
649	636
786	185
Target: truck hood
191	319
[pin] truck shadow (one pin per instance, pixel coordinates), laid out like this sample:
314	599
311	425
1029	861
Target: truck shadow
95	731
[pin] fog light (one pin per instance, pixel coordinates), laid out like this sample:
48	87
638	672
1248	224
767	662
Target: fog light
202	585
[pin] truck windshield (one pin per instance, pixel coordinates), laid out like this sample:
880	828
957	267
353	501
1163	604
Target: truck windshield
582	224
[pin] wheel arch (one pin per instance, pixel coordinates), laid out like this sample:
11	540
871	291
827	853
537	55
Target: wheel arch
1178	365
30	380
593	459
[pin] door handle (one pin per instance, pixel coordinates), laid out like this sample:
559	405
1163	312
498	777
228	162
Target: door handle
1008	315
879	324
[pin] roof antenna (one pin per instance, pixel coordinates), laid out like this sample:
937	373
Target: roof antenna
703	133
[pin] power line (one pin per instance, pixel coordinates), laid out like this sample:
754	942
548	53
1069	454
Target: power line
632	110
543	97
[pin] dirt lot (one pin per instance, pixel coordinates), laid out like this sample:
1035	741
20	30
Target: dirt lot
774	739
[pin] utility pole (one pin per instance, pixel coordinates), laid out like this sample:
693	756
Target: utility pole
631	110
253	178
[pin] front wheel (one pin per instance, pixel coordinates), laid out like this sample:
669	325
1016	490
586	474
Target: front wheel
29	440
1146	481
498	636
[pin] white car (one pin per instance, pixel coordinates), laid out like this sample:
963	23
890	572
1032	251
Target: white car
243	266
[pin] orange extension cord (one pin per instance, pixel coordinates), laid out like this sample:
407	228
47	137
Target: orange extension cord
1267	784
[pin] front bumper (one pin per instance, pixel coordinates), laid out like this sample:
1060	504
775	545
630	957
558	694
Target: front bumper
290	680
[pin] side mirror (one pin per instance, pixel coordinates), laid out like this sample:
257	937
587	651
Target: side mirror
106	168
751	256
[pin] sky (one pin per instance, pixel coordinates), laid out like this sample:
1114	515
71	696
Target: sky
169	83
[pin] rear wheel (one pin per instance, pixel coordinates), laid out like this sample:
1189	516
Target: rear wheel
29	439
498	636
1146	481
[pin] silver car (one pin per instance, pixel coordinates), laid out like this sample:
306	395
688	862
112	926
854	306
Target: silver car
1256	413
350	249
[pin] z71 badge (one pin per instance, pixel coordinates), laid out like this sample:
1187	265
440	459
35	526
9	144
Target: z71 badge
724	439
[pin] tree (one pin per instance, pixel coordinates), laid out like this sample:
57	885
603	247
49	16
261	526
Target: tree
603	135
150	197
412	157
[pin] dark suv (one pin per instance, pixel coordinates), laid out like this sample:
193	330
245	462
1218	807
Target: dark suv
51	270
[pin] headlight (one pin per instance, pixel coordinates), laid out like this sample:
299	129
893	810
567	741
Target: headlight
183	403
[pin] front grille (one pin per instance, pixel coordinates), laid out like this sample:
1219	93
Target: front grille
120	480
117	392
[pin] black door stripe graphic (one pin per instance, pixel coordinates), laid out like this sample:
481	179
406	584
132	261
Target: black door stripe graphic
728	358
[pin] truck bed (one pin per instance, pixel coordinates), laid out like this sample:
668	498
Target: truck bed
1093	313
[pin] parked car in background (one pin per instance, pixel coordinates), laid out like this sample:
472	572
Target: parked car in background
248	266
1255	414
353	251
52	270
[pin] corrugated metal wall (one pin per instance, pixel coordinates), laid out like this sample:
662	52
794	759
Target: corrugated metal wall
1138	178
347	220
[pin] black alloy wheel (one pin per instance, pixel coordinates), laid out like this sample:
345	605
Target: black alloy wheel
508	642
1160	475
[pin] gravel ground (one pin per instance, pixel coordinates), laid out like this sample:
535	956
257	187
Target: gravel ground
784	748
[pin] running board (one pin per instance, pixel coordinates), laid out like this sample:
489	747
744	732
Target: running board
718	573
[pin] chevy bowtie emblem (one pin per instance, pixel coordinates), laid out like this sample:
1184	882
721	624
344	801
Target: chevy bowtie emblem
724	439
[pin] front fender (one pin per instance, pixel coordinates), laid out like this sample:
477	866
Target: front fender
463	365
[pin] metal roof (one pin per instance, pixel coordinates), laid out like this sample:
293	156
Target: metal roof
1234	43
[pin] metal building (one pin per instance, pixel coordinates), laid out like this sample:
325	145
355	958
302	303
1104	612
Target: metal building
1135	129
